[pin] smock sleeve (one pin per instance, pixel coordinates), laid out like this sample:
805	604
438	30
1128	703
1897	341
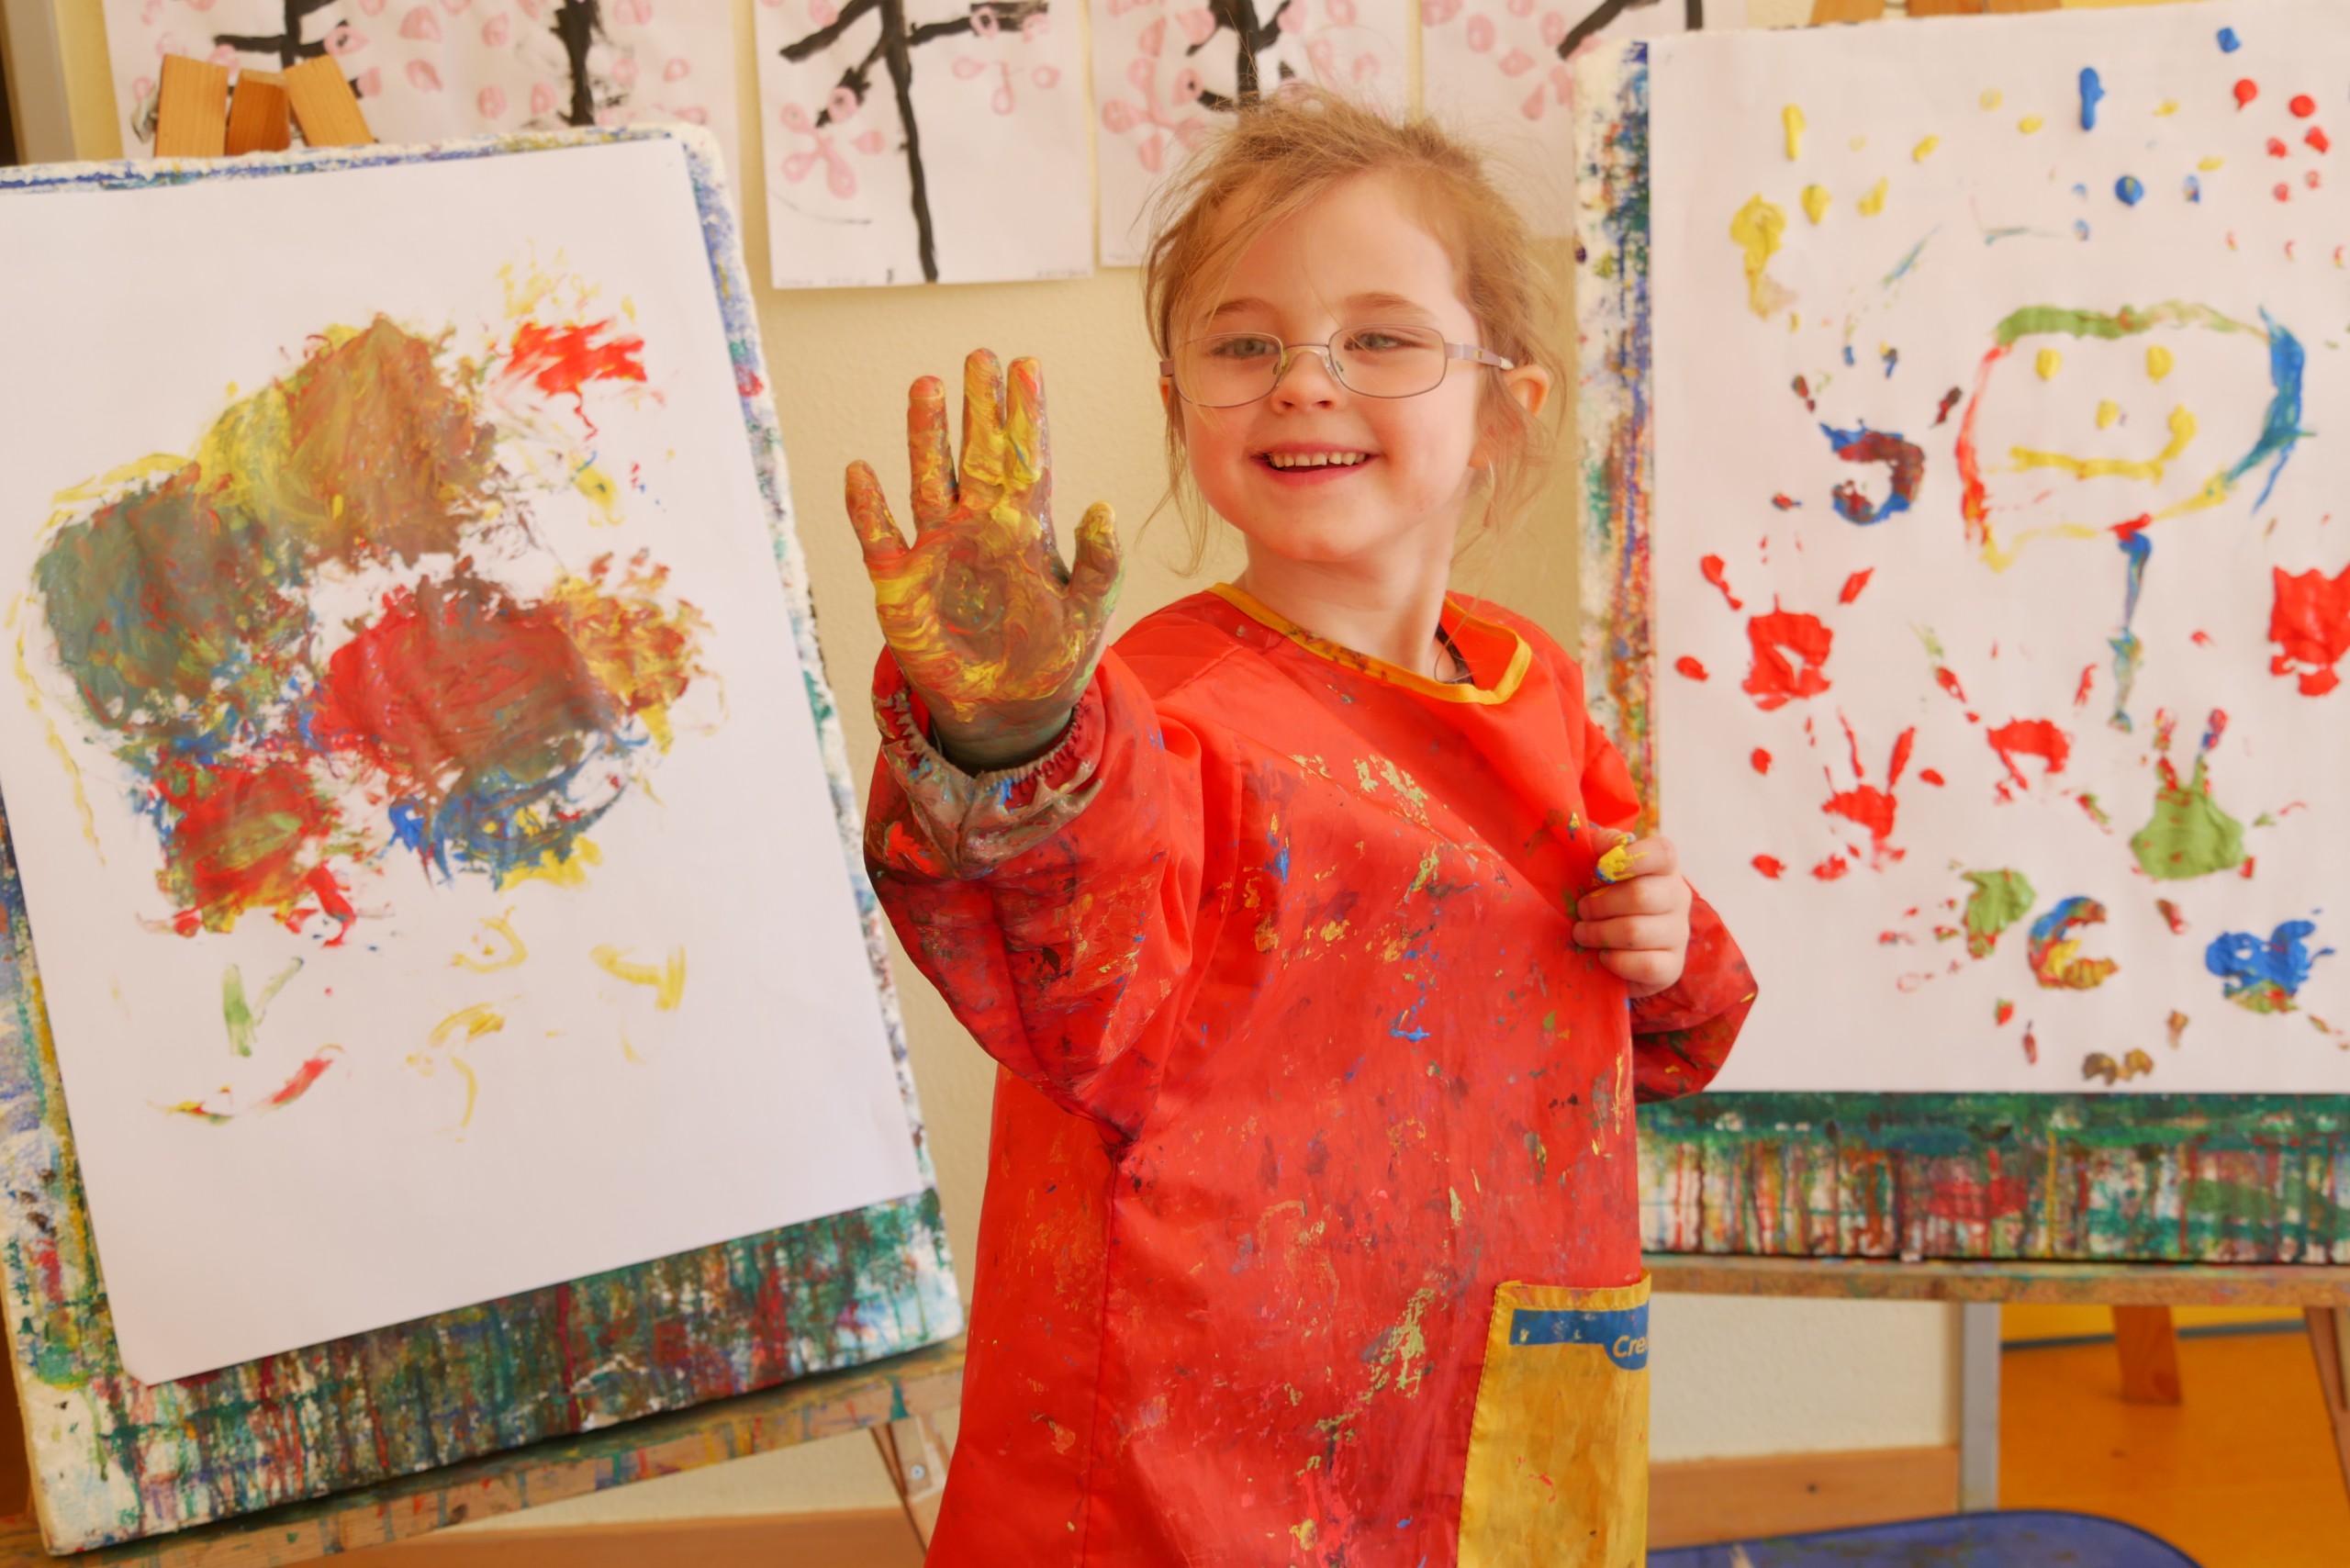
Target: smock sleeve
1682	1034
1053	904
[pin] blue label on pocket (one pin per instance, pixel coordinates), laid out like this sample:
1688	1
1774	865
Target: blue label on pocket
1623	1334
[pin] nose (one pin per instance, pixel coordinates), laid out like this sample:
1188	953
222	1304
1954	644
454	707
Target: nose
1322	387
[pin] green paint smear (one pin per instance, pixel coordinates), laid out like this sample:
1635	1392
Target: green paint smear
2188	836
1999	900
244	1019
2035	319
2265	997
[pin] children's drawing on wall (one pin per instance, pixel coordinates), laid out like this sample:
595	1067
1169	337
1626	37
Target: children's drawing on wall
1165	70
898	131
1500	67
424	72
412	775
2001	561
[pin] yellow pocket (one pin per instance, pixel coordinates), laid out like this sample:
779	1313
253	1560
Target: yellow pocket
1559	1450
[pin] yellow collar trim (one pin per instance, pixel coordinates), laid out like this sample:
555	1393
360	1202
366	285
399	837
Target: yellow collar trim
1457	620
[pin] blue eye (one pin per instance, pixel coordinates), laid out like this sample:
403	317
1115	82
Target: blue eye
1243	345
1385	339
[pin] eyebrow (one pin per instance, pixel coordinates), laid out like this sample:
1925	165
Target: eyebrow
1394	304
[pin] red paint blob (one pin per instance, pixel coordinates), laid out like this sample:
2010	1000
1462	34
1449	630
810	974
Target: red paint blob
1932	775
2317	138
2088	679
1774	680
1688	665
2006	1011
1835	865
2303	106
2277	148
2031	1046
2171	917
2284	192
561	360
1786	502
1949	682
2246	90
2031	737
1869	806
1854	584
2308	620
1711	566
1761	759
2200	639
1770	865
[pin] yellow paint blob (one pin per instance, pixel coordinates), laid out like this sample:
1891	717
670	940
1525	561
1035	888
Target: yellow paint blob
1815	202
2158	362
1757	229
1874	203
2182	435
668	980
2048	364
2169	106
1858	142
1925	149
2029	123
1792	118
1992	97
2210	163
496	946
2109	414
602	494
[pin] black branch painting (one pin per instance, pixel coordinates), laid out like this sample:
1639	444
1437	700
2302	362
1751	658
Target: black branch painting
892	55
287	45
1250	39
1607	11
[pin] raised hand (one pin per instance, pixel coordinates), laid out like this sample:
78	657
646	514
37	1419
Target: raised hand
998	636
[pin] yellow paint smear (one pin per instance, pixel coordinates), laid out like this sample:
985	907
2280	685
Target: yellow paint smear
1992	97
563	873
602	494
2182	434
1925	149
2047	363
2029	123
2169	106
668	981
472	1022
1791	118
1816	201
1757	229
1874	203
2109	414
505	952
2210	163
2158	362
56	741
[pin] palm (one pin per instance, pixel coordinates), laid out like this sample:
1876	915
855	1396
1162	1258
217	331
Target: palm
988	625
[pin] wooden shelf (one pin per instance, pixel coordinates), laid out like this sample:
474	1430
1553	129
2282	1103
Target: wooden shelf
2102	1284
834	1403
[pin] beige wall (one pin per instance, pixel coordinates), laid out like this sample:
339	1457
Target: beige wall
1731	1377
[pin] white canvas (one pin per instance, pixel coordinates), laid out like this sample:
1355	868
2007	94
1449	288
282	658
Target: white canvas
489	1083
2196	231
1498	69
1164	70
428	69
885	121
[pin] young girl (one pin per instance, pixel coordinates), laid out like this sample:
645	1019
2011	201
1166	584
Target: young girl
1310	1232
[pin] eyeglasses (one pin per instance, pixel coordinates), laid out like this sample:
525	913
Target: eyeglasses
1231	368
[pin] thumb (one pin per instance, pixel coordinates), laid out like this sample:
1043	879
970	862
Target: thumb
1093	582
868	513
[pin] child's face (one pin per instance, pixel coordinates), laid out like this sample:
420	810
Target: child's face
1357	257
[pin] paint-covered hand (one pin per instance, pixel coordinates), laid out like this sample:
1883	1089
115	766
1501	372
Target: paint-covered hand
994	632
1637	920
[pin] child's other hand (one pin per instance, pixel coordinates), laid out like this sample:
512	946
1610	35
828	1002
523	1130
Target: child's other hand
995	634
1640	924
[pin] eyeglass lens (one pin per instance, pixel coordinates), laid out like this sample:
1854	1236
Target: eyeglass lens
1232	369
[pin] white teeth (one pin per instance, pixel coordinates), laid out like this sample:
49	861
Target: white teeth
1314	459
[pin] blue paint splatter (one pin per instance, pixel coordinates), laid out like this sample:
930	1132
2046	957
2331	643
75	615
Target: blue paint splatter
2228	42
1892	362
2194	188
2128	188
2280	428
2092	90
2265	976
1848	354
2081	228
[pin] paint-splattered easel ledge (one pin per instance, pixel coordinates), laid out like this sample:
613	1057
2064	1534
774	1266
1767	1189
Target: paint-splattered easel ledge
115	1460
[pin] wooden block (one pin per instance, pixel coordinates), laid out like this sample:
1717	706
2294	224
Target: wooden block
191	108
1846	11
259	115
916	1457
325	106
2148	1345
1978	8
1701	1502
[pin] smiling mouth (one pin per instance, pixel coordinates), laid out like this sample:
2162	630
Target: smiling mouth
1315	459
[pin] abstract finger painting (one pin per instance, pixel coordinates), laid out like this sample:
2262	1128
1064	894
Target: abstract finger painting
2000	546
426	71
420	794
920	142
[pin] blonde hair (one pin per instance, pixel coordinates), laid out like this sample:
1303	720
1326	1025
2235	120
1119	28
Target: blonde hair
1283	153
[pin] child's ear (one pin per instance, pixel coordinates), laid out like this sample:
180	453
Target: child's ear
1530	384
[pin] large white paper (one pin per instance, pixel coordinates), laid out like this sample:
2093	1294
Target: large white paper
1498	69
2168	394
1165	73
410	1074
922	140
428	69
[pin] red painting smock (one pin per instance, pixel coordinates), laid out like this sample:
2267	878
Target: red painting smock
1299	1064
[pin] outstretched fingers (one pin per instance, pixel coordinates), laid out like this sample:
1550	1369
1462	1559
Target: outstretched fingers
982	481
928	454
1028	447
868	513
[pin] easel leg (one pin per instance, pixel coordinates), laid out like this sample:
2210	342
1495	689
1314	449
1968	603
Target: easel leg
2330	1342
1978	1407
916	1457
2149	1350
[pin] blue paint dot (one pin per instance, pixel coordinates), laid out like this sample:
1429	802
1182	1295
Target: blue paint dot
2092	91
2228	42
2194	188
2128	188
2081	227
